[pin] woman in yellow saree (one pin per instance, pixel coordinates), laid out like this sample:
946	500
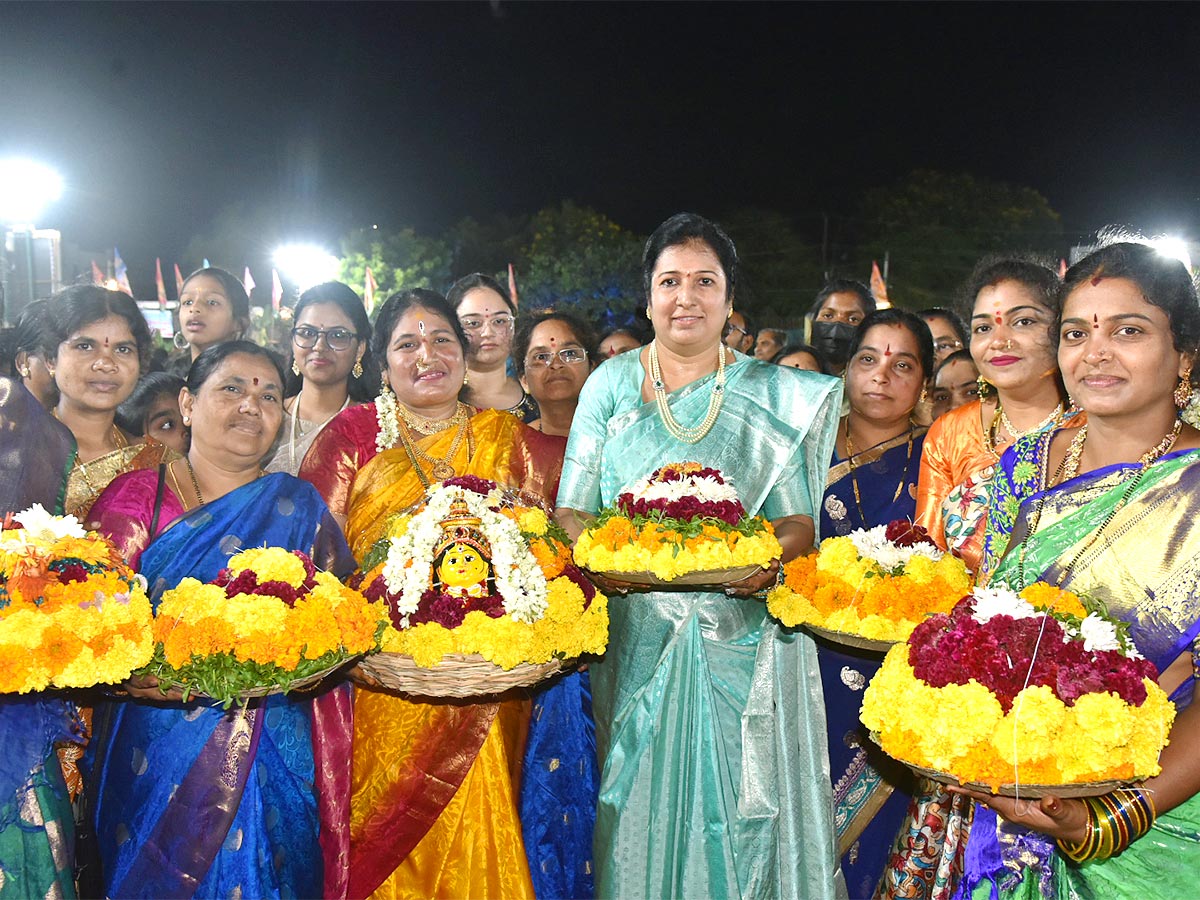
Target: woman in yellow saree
432	786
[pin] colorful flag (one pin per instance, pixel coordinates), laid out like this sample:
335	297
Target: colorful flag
369	290
248	282
276	291
158	282
878	288
97	275
121	273
178	281
512	284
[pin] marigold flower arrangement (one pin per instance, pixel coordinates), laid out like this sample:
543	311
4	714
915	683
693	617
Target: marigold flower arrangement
72	613
1021	689
266	622
525	603
877	583
681	520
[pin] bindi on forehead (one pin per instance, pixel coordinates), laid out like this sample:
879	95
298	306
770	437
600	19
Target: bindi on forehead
421	326
1095	321
255	380
887	351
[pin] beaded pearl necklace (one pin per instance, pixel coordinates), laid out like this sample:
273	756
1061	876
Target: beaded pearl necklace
677	431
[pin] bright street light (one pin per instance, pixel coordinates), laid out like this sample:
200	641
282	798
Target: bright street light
306	265
26	189
1174	248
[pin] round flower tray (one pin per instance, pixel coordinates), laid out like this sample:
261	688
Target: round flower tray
457	675
706	577
299	684
851	640
1032	791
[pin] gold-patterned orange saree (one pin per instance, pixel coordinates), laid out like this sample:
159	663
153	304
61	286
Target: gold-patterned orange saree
433	793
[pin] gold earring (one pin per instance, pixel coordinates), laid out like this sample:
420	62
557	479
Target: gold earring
23	371
985	387
295	368
1183	390
466	378
358	369
924	395
729	314
187	420
647	310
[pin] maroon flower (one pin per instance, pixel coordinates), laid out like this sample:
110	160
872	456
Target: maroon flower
904	533
471	483
246	582
576	575
70	572
492	605
280	589
435	606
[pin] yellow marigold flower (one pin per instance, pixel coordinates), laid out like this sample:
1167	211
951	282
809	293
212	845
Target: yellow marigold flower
1030	731
270	564
533	521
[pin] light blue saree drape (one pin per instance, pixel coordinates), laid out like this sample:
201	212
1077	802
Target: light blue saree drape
709	717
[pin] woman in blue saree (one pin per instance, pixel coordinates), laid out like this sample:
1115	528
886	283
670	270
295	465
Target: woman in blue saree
191	800
872	481
709	720
1112	516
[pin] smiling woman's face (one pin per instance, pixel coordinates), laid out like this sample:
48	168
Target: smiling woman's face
236	413
1010	336
425	364
688	303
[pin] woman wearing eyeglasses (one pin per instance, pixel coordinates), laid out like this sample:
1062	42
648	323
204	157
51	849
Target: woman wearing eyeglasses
330	368
487	315
553	352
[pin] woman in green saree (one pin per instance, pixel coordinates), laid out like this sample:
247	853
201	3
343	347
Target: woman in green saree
1111	516
710	722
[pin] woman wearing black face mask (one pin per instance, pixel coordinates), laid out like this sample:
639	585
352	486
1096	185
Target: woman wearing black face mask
839	308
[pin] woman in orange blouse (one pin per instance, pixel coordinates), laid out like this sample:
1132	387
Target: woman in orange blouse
1012	314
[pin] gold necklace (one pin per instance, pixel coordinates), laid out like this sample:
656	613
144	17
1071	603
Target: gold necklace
1067	469
1000	420
81	467
195	481
850	454
441	468
426	426
677	431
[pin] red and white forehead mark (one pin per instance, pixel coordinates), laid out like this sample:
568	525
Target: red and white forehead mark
421	326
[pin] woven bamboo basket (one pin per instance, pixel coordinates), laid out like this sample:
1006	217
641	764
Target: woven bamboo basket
457	675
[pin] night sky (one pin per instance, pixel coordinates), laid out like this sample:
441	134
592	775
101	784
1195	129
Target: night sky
339	115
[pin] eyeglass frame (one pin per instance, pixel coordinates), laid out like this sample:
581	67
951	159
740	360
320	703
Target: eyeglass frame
583	357
501	322
327	333
730	328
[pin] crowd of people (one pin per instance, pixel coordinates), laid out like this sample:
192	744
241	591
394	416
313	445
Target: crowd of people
710	752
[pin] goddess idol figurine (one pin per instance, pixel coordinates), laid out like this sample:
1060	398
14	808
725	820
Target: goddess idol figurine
463	555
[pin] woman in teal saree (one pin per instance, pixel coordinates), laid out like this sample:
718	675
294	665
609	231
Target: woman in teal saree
1112	518
709	716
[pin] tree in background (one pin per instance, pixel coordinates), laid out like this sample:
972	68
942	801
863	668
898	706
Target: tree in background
399	260
935	226
578	256
779	268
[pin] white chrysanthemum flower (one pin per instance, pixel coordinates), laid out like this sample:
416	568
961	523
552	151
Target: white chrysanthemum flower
1000	601
407	570
872	543
706	489
1099	634
42	526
